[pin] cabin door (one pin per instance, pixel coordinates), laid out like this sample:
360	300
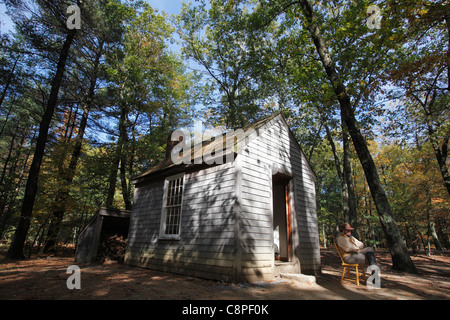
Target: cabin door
282	230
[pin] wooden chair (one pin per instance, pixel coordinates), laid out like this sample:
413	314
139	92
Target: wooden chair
347	266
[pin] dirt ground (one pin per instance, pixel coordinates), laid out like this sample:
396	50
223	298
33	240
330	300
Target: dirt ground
44	277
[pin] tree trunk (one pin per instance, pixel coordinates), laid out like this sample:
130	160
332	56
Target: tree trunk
345	175
15	251
124	160
348	181
112	180
400	257
337	163
123	179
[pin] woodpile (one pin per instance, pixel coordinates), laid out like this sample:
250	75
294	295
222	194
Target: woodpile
112	248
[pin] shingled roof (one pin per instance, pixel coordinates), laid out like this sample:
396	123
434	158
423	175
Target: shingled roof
167	167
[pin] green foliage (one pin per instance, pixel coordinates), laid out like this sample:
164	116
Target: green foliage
231	56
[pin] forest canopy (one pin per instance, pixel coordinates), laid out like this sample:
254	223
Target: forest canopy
89	96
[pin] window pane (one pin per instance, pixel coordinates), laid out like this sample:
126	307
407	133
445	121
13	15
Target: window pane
173	206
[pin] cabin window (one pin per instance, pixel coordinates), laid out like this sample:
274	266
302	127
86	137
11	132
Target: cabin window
172	205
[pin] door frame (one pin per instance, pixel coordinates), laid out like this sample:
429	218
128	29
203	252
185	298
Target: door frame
286	181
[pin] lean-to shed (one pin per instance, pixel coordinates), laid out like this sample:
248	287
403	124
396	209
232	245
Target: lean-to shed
106	222
247	219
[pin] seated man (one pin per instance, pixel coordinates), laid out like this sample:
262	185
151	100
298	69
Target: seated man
352	249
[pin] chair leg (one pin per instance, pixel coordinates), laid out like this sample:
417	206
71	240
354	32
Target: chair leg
357	276
343	274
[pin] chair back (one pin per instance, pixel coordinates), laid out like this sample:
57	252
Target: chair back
339	252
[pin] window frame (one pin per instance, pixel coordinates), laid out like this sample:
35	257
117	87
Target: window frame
163	223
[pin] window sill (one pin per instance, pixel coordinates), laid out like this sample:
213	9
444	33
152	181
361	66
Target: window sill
173	238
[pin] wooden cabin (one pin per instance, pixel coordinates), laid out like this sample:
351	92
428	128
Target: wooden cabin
246	219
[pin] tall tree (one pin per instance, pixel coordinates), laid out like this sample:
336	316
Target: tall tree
400	257
15	250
